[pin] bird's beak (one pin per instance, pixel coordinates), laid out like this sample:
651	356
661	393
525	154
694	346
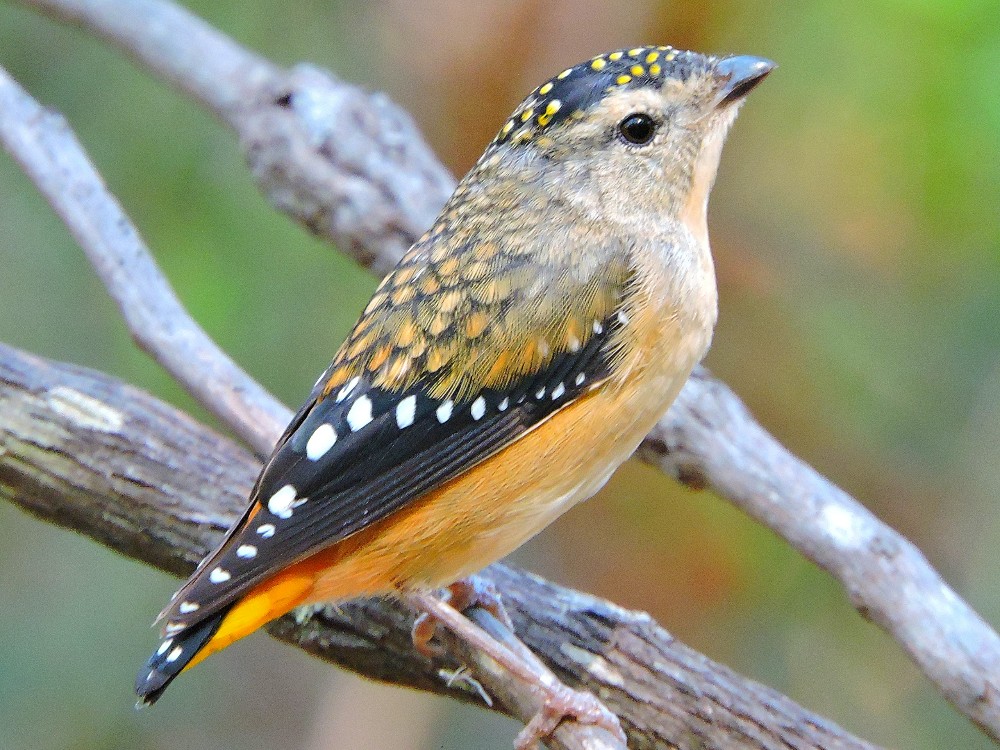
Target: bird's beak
737	76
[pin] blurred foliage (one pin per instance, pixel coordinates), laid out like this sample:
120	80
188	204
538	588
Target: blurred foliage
857	239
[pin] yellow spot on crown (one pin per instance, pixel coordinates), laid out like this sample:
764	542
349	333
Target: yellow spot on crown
652	57
671	55
508	126
564	73
615	56
637	70
654	69
623	79
526	115
599	63
636	51
550	109
545	89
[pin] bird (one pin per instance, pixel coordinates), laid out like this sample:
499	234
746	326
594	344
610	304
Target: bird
513	359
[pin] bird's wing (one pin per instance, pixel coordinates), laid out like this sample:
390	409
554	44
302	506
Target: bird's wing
437	376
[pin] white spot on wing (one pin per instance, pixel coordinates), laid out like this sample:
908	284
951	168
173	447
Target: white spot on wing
281	501
346	390
173	628
558	391
502	406
406	412
175	654
444	411
219	575
540	393
622	317
187	608
598	328
266	530
580	378
246	551
574	345
323	439
164	646
360	413
478	408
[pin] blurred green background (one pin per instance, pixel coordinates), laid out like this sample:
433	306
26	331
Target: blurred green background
856	229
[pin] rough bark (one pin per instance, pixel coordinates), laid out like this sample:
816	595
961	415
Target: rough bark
85	451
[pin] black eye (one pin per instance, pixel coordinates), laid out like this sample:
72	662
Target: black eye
638	129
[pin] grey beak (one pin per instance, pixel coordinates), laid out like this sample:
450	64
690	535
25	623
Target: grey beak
738	76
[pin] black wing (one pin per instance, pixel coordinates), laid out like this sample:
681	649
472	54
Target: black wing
361	453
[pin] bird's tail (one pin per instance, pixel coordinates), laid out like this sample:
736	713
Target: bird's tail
184	645
173	655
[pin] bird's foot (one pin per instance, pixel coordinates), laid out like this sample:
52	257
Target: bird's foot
563	702
464	594
558	700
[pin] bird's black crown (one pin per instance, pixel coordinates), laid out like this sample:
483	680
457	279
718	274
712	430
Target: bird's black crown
573	91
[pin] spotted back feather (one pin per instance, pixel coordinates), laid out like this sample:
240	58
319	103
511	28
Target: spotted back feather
363	452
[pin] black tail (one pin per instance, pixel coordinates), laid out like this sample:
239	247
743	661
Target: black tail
172	656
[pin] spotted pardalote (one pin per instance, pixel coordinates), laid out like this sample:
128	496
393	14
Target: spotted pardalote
512	360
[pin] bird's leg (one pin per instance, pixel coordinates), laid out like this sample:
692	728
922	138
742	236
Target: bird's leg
476	591
464	594
559	701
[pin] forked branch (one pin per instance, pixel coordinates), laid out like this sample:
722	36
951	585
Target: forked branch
350	165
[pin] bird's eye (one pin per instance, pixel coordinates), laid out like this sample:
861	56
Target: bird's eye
637	128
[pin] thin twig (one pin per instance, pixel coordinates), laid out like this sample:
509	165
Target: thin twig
375	194
348	164
45	147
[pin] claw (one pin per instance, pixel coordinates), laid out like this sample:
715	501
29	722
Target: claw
462	595
562	702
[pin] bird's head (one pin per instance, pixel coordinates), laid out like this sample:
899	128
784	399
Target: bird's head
636	129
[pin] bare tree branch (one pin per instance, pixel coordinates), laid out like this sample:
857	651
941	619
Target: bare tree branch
351	165
86	451
348	164
45	147
708	438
